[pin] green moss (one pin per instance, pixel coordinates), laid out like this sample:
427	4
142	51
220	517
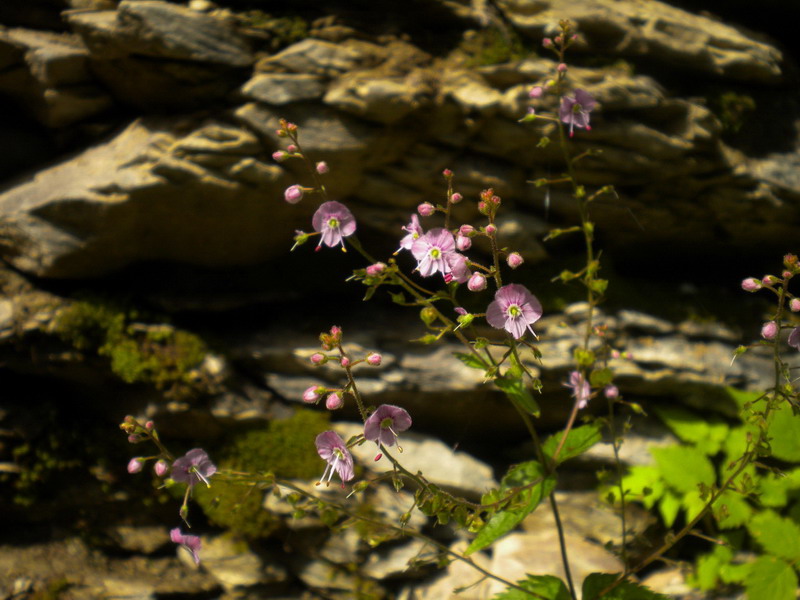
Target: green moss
283	30
284	448
159	355
493	46
732	109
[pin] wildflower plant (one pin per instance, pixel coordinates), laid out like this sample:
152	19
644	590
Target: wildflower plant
447	268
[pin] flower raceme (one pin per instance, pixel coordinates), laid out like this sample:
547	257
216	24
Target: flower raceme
574	111
514	309
335	222
333	450
192	468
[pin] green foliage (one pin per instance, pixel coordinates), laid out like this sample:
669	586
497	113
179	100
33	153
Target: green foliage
544	586
627	590
282	30
284	448
158	355
771	578
579	440
514	388
519	479
732	109
492	46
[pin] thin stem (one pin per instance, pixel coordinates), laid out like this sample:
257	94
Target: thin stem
562	542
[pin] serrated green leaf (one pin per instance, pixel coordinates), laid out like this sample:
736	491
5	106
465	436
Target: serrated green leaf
514	388
597	582
504	521
684	467
668	506
601	377
784	431
693	504
579	440
643	483
773	488
705	432
730	573
544	586
777	535
736	510
472	361
707	571
770	578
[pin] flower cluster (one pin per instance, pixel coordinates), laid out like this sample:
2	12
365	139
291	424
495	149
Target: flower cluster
771	329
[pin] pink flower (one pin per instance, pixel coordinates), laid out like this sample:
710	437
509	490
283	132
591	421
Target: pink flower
385	423
611	392
581	390
575	110
769	330
458	268
193	467
433	252
335	221
293	194
414	231
190	542
536	92
514	309
794	338
476	283
332	449
322	167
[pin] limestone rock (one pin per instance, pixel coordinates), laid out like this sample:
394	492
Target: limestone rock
654	29
315	57
280	88
458	582
398	560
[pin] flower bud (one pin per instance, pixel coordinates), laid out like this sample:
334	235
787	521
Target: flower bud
477	282
374	359
456	198
426	209
769	280
794	304
134	438
490	229
561	68
293	194
280	156
375	269
547	42
313	394
345	362
161	468
536	92
769	330
611	392
447	173
514	260
751	284
558	39
291	148
322	167
463	243
135	465
318	359
149	426
786	274
334	401
466	229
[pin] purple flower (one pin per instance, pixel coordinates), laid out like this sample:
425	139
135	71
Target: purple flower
383	425
190	542
794	338
414	231
581	390
436	252
575	110
514	309
335	221
331	448
193	467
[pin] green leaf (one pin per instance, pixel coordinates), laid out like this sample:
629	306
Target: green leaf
514	387
731	510
601	377
773	489
707	571
741	397
544	586
472	361
398	297
771	578
684	467
526	502
777	535
693	503
707	433
669	506
643	483
783	430
597	582
579	440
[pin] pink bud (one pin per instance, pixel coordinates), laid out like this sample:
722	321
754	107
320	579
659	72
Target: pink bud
336	332
135	465
769	330
547	42
463	243
456	198
322	167
615	354
312	395
134	439
318	359
490	229
562	68
374	359
279	156
334	401
536	92
149	426
574	37
476	283
345	362
375	269
558	39
293	194
786	274
447	173
161	467
611	392
291	148
794	305
514	260
426	209
751	284
769	279
482	207
466	229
